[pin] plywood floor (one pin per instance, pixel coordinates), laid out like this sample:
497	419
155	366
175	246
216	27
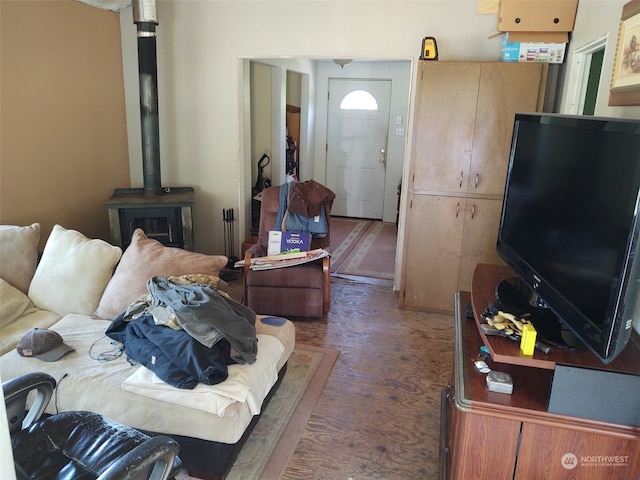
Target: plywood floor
379	414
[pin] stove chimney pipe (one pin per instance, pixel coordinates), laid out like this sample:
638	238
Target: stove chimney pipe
144	16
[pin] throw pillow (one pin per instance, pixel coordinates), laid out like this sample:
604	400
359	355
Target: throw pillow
19	254
146	258
14	305
73	272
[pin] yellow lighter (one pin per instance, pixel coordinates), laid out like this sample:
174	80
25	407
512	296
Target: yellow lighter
528	340
429	49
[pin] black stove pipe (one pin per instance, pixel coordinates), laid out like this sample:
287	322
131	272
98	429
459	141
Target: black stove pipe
144	16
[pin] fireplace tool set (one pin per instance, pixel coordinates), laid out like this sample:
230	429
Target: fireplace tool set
229	243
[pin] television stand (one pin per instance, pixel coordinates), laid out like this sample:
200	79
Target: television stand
495	435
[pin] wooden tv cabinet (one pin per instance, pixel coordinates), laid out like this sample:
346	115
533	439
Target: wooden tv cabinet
488	435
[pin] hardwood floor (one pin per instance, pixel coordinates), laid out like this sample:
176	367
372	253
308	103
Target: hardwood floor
379	414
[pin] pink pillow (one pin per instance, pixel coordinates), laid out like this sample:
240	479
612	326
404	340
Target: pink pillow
146	258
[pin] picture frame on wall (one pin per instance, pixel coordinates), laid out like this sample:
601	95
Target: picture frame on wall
625	79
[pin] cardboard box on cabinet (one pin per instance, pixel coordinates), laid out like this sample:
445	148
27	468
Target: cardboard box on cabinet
548	21
532	51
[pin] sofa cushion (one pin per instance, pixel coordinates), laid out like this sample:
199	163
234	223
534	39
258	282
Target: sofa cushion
73	272
14	304
17	315
146	258
245	383
97	386
19	254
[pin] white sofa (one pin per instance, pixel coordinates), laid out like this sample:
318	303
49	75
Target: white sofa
75	291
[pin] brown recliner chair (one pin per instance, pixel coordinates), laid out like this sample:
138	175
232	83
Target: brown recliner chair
298	291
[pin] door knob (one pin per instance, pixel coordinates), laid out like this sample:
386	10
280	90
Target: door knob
382	159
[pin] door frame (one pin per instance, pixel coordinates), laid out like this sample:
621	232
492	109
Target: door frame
401	73
579	75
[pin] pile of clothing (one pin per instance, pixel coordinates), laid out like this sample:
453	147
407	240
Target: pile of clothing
304	207
187	331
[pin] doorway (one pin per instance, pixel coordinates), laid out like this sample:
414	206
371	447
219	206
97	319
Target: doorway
312	149
357	132
593	82
584	80
315	74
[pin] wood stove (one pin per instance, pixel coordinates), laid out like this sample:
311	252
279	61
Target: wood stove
162	213
166	217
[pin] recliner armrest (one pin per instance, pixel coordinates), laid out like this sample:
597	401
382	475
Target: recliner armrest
256	250
326	271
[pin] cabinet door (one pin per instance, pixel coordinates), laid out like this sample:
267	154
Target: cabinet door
481	222
485	447
554	452
432	252
461	142
443	127
504	90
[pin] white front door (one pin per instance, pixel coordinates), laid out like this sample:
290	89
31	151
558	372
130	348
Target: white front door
357	130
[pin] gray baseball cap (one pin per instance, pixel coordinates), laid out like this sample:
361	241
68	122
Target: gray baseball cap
44	344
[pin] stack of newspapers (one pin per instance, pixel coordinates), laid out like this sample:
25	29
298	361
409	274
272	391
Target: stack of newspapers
285	259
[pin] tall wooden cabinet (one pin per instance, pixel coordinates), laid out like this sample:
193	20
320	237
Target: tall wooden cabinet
462	136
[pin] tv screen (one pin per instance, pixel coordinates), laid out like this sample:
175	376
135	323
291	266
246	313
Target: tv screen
569	225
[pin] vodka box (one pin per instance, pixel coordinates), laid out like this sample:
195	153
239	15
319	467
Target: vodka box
295	240
285	241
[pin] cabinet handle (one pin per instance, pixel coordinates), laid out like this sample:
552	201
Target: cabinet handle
461	178
457	209
477	179
473	210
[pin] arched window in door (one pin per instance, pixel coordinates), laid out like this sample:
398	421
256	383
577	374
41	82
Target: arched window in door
359	100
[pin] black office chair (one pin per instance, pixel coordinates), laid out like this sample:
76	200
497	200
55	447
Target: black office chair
79	445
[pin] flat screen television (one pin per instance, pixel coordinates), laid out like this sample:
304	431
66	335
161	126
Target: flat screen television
569	226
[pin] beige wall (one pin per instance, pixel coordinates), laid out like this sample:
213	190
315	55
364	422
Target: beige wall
63	139
261	115
201	48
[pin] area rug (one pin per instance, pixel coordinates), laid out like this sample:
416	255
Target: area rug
374	255
275	436
345	234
